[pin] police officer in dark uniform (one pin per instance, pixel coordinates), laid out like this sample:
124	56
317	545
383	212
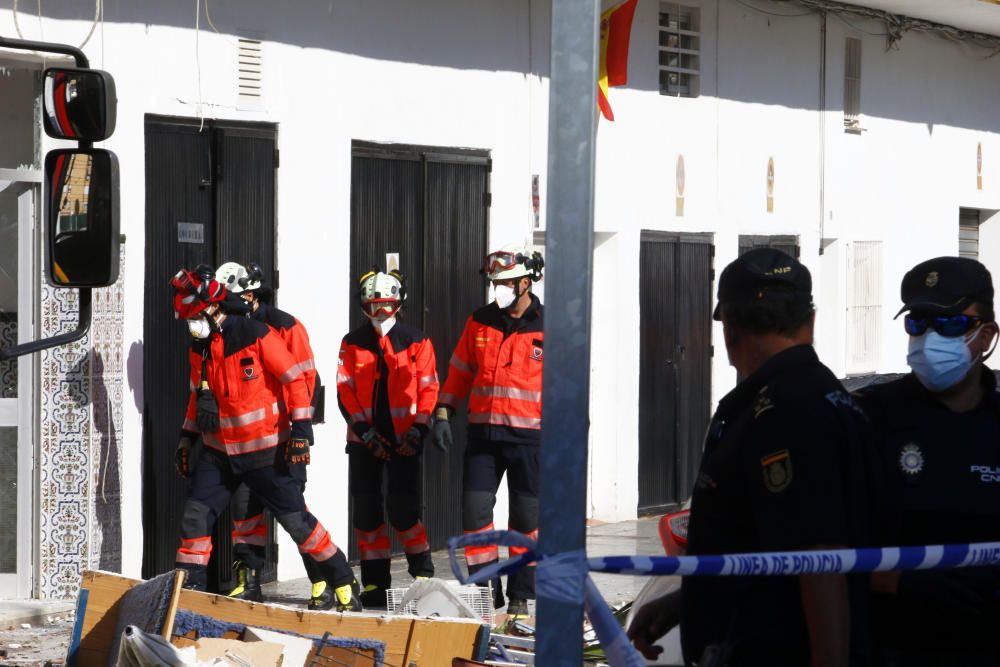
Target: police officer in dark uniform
938	429
787	465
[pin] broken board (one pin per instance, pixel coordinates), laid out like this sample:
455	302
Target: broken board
408	640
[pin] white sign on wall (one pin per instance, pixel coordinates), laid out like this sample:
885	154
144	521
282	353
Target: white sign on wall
190	232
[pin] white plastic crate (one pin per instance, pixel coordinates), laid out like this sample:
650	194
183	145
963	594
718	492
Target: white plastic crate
479	598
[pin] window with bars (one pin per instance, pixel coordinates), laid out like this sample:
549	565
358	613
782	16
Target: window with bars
864	306
852	84
680	50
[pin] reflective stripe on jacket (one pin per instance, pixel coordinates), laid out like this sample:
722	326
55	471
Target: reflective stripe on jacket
413	382
498	362
253	377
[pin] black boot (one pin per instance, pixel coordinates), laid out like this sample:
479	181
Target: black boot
195	576
247	584
348	597
374	597
498	598
322	596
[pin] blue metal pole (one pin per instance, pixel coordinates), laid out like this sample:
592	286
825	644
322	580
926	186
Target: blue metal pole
569	246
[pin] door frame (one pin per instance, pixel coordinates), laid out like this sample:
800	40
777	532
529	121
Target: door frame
19	412
680	238
424	155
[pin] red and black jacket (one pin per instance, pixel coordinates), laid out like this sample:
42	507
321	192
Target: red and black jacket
499	358
258	384
405	359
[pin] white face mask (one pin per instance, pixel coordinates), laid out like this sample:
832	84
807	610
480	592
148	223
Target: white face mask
940	362
199	328
383	323
504	296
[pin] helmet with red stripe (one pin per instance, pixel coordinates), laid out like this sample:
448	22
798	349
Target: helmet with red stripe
381	294
195	291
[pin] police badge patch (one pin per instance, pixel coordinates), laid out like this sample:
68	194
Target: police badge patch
777	470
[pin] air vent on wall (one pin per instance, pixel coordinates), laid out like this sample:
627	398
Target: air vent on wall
250	70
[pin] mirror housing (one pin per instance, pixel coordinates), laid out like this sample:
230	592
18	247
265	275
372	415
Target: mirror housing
79	104
82	218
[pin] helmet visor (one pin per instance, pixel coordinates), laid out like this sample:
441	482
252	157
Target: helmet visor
501	261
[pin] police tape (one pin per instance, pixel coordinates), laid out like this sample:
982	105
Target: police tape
565	571
776	563
783	563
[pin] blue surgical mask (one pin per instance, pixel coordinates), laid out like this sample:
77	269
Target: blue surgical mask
940	362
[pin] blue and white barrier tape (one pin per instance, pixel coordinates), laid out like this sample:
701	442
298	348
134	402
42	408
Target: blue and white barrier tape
837	561
565	571
833	561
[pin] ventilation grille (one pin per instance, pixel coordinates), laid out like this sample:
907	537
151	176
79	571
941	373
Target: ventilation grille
968	233
250	69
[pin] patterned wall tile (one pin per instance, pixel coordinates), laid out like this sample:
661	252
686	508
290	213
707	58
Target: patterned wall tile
80	420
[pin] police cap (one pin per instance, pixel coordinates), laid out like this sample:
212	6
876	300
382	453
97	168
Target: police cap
763	274
945	286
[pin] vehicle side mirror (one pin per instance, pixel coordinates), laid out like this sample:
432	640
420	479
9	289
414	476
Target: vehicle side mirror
82	217
79	104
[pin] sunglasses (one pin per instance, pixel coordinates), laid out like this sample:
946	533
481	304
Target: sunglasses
956	325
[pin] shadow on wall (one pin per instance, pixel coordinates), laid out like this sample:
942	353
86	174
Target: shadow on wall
766	56
105	464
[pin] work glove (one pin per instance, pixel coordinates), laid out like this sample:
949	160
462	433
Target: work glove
378	445
182	457
207	416
442	436
297	451
413	442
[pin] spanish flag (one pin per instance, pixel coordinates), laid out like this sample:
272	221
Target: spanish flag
616	27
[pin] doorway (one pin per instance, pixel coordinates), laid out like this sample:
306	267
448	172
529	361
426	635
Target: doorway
20	182
210	198
429	206
675	362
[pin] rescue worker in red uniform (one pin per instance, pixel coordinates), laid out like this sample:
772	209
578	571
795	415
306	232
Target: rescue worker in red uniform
387	387
249	525
499	357
242	374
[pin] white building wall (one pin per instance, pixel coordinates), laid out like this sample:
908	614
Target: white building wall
473	74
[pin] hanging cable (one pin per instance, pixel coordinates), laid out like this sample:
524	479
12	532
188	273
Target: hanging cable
102	33
98	13
208	16
770	13
197	60
93	26
896	25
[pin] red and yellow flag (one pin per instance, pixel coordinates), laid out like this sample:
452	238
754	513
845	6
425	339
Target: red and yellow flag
616	28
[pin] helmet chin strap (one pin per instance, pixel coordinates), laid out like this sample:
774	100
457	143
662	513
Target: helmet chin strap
518	294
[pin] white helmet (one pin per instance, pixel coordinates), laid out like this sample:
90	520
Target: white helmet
381	293
513	261
237	278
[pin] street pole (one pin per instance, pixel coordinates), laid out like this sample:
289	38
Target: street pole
569	250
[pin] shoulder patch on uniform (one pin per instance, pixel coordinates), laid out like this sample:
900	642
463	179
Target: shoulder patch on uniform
777	471
763	402
839	398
